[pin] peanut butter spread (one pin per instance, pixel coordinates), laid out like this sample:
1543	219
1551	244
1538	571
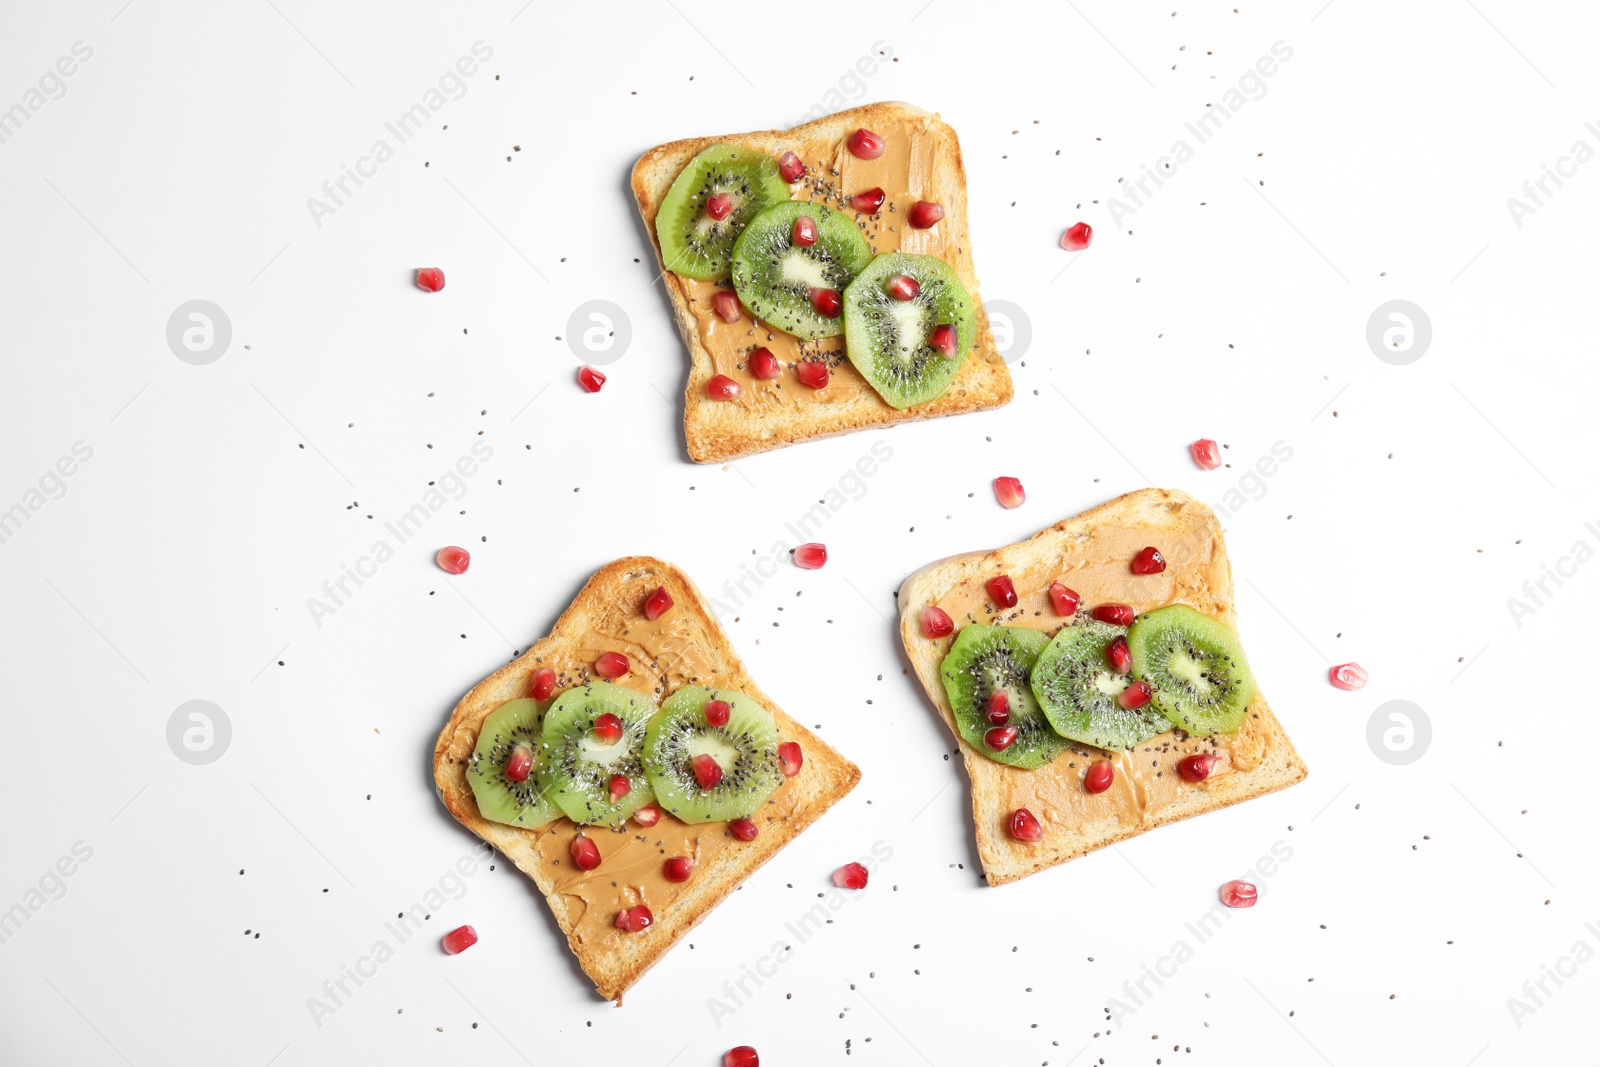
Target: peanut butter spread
906	172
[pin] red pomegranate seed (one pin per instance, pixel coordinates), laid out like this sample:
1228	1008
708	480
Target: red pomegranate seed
1001	591
718	205
827	302
1116	614
430	279
1098	777
1077	237
648	815
1024	827
590	379
519	764
813	372
790	757
1065	600
903	287
542	684
944	339
460	939
620	787
723	387
925	213
1134	697
1000	737
811	556
1196	768
717	712
726	305
791	168
869	202
1347	676
657	603
744	829
997	709
1149	561
607	728
585	853
850	876
707	771
452	559
1009	492
634	919
864	144
611	665
764	365
743	1056
1237	894
804	231
1205	454
936	622
1118	656
678	869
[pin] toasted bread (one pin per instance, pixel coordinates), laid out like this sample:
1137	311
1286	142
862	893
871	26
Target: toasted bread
1090	553
693	649
716	430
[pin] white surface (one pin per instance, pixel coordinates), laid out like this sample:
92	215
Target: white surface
178	563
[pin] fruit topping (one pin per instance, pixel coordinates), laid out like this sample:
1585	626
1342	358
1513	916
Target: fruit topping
1196	768
902	287
590	379
1001	591
585	853
744	829
909	349
1115	614
1064	599
519	764
1347	676
611	665
717	712
1078	686
804	232
869	202
790	167
943	339
763	364
790	758
1118	656
1195	667
864	144
742	1056
657	603
783	281
997	709
620	787
1077	237
726	304
828	302
1134	697
936	622
678	869
723	387
704	773
924	214
850	876
1008	491
453	560
709	206
719	205
1149	561
812	372
459	940
1237	894
1024	827
984	660
811	556
1205	454
634	919
594	735
514	725
1097	779
430	279
647	816
1000	738
542	684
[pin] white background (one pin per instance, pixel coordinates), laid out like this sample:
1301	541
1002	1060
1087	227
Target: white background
1375	165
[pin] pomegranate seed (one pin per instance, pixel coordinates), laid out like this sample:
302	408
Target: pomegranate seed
864	144
791	168
744	829
585	853
944	339
620	787
764	365
1116	614
707	771
1205	454
1196	768
723	387
1000	737
827	302
813	372
850	876
460	939
430	279
1024	827
1134	697
998	707
717	712
743	1056
1065	600
1347	676
869	202
1149	561
791	756
1237	894
903	287
925	213
1118	656
726	305
1077	237
936	622
678	869
657	603
634	919
519	764
452	559
804	231
543	684
1009	492
1001	591
607	728
1098	777
811	556
590	379
718	205
611	665
648	815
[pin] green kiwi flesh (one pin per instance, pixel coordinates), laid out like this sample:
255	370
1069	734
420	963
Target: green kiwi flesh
983	659
887	339
693	243
524	804
774	276
1078	690
745	747
575	767
1195	668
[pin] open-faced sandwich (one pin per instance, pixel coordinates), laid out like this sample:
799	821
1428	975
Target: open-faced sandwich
630	766
1095	679
822	278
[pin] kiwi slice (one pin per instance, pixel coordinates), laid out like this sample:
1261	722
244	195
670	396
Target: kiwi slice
745	748
887	338
512	724
693	243
1195	667
1078	690
775	277
986	658
576	767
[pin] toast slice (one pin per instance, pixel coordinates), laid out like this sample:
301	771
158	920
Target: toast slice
766	417
1090	554
684	645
